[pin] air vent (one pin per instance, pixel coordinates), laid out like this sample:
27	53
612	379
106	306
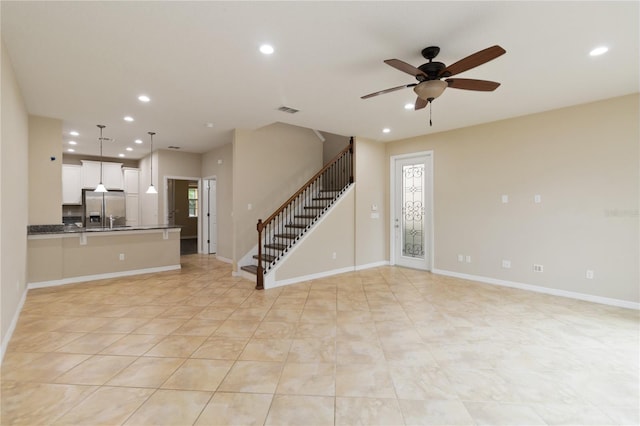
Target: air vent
288	110
173	147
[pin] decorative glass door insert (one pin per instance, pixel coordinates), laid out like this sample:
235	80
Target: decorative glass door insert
412	221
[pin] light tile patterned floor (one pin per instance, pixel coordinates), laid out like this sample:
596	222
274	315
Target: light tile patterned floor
385	346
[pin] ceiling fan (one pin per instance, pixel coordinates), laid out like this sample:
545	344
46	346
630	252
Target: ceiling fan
429	75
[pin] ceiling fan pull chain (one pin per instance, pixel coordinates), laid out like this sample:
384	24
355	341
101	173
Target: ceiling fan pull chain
430	107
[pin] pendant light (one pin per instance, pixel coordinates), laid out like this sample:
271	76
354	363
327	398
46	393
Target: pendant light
152	189
101	187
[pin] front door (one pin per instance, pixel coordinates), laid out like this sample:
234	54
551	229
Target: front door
412	211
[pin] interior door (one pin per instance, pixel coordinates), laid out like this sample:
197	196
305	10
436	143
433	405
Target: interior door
211	216
412	211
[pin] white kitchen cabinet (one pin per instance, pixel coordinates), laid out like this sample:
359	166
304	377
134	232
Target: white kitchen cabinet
71	184
112	176
131	189
131	180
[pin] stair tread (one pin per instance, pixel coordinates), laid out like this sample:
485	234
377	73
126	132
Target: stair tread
296	225
305	216
322	198
314	207
330	190
289	236
253	269
265	257
275	246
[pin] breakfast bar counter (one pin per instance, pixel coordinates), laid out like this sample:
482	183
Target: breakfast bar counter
63	254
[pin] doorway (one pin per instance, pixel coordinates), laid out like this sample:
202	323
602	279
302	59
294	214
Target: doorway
412	210
182	210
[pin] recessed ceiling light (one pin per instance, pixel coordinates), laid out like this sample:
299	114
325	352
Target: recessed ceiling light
74	133
599	51
386	130
144	98
129	148
73	143
71	150
267	49
409	106
120	155
138	141
128	118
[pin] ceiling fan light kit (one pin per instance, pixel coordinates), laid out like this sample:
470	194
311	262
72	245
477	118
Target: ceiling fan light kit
431	89
429	75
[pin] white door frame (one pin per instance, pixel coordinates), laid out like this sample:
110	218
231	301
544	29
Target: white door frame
392	200
206	220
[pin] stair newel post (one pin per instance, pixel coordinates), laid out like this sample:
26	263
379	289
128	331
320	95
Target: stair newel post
260	271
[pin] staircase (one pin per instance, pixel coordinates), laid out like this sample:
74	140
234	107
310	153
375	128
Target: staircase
283	229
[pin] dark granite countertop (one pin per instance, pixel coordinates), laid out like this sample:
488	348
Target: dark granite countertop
73	229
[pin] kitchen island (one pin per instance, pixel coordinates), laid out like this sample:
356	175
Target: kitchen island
59	254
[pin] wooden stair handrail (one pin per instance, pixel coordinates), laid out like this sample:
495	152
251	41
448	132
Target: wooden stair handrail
348	148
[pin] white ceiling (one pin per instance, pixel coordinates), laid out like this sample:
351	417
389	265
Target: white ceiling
86	63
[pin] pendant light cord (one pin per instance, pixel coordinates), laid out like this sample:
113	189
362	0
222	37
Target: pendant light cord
101	126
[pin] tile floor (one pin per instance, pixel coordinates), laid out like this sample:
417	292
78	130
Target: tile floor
385	346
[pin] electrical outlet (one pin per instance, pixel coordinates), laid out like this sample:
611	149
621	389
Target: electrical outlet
538	268
121	256
506	264
333	256
505	199
467	259
460	258
537	199
589	274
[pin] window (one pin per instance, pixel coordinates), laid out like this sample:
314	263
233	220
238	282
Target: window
193	202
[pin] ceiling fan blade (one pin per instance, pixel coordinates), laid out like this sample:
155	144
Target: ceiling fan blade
472	84
382	92
404	67
420	103
473	61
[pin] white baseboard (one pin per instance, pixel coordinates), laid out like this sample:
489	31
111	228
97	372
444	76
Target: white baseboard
372	265
311	277
12	326
108	275
540	289
223	259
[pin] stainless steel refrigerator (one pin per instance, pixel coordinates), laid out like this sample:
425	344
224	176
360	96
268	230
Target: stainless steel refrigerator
103	209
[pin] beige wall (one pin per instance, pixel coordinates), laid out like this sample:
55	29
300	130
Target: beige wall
581	160
45	174
223	174
370	177
334	234
332	145
269	165
14	198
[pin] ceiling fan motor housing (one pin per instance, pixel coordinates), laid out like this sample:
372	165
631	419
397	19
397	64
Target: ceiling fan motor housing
432	69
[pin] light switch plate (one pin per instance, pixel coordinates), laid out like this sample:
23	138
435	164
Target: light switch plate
505	199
